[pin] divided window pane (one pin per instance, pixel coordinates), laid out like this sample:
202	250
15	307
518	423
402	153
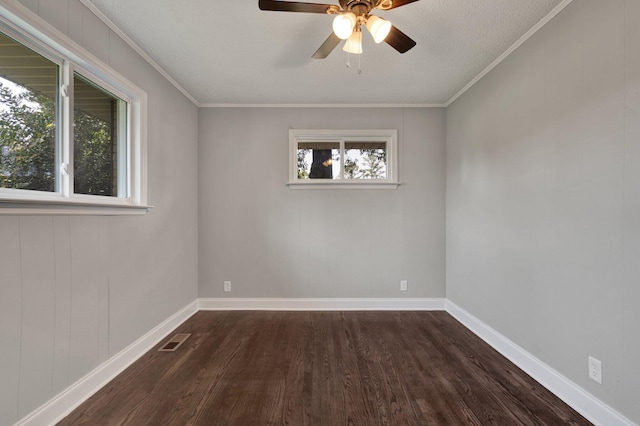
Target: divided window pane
319	160
99	135
365	160
28	118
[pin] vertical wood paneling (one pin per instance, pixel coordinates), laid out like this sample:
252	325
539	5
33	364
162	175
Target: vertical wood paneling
38	311
63	303
103	290
10	318
628	391
74	24
422	219
95	36
85	284
318	258
368	241
31	4
56	13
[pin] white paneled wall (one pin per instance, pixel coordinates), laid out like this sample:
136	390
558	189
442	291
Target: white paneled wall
74	291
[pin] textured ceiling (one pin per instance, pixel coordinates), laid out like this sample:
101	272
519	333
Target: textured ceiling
230	52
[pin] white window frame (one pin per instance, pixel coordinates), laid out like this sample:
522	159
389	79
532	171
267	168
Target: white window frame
389	136
21	24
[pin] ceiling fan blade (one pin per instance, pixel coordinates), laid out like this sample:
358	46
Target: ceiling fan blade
399	40
327	47
394	4
294	6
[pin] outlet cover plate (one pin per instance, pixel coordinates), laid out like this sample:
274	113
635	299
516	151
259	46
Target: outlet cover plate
227	286
595	370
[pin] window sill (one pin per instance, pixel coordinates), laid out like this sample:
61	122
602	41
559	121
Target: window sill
343	185
68	208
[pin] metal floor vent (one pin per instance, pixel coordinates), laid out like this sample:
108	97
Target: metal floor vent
174	343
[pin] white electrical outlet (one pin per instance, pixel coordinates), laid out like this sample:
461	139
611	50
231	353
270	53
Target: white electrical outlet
227	286
403	285
595	370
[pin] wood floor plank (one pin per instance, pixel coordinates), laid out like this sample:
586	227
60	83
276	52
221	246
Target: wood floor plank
324	368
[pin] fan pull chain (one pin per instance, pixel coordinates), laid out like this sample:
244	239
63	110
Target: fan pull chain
359	62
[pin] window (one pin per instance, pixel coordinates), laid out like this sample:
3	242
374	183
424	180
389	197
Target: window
71	131
99	141
343	159
28	118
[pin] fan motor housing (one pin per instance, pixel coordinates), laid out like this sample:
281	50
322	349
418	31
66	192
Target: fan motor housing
359	7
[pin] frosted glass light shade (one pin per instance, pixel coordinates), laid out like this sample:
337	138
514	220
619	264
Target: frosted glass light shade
344	24
378	27
354	43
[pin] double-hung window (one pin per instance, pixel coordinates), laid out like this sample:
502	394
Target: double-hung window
71	130
343	159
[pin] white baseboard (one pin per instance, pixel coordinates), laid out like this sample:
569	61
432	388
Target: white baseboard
65	402
329	304
573	395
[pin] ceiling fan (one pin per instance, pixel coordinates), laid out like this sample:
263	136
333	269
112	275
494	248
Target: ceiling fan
350	16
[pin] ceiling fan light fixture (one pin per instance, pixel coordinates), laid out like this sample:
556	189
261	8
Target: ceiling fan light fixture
344	24
378	27
354	43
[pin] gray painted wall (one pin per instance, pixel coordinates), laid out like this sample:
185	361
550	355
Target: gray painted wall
543	197
271	241
74	291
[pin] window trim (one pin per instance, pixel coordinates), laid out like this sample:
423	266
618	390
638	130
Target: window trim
389	136
32	31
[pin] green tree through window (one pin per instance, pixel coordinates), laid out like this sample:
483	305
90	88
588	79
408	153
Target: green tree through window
97	121
27	139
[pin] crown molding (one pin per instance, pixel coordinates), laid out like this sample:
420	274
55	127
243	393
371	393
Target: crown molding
510	50
113	27
214	105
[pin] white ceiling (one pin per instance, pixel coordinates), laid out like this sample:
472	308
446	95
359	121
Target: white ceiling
230	52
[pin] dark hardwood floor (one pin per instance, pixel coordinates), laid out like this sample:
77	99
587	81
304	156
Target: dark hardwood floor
324	368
